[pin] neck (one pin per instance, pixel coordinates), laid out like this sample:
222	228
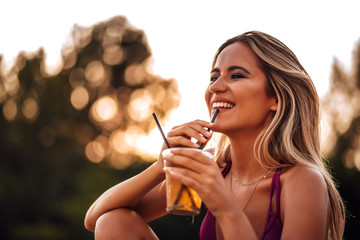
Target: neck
244	163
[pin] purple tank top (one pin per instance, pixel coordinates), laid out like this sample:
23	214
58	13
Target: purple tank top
273	225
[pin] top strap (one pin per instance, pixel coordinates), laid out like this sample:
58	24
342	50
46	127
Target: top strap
275	185
226	169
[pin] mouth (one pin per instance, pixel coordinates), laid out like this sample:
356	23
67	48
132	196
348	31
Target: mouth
225	105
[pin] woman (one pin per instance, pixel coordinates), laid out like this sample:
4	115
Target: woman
267	179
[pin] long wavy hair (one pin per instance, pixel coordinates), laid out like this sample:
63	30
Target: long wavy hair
293	136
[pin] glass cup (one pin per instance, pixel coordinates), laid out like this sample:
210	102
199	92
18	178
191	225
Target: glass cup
180	199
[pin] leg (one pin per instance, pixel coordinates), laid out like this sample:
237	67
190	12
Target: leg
122	224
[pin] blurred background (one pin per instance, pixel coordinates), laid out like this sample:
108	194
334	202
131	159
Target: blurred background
80	79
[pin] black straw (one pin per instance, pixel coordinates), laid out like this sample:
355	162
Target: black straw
161	131
202	145
183	187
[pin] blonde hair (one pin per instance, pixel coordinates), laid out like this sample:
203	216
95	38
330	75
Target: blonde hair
293	136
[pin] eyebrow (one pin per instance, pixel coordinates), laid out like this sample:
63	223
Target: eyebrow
232	68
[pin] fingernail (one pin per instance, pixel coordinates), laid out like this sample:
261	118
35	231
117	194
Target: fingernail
207	134
166	152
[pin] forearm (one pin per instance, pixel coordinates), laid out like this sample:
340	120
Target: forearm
125	194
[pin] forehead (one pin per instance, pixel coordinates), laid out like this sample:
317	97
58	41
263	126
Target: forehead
237	54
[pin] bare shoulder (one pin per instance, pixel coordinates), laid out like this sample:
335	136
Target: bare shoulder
304	193
302	178
303	183
304	203
301	175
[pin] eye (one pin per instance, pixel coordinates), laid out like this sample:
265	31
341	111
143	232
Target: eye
237	76
213	78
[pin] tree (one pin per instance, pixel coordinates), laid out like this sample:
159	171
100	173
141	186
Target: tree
51	125
342	115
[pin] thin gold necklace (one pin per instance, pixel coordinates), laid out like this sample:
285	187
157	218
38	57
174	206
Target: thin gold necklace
251	183
247	184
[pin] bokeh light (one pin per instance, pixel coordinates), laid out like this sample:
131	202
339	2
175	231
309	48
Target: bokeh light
357	159
79	98
118	142
10	109
95	73
126	141
106	78
158	93
140	106
69	57
104	109
77	77
11	83
2	93
135	74
30	108
114	55
95	152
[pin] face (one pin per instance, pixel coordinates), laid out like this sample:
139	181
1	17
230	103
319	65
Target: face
237	88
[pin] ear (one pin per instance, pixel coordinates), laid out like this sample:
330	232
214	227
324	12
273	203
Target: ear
274	104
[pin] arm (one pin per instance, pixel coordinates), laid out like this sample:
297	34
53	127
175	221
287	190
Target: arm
132	193
145	192
304	199
305	204
197	170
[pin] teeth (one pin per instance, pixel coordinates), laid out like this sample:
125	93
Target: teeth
222	104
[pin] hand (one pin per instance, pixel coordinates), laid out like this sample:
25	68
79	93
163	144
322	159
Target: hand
182	135
197	169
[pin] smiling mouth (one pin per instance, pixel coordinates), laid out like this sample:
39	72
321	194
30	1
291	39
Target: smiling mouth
222	105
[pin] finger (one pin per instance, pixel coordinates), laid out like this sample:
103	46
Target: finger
202	123
192	130
200	182
183	162
189	132
201	156
180	141
183	178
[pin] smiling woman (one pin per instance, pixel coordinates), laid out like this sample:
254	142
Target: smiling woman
264	178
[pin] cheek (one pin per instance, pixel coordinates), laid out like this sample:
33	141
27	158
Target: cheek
207	97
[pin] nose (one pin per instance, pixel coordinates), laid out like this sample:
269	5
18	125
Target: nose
218	86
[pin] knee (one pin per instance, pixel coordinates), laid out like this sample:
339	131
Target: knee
120	224
110	224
